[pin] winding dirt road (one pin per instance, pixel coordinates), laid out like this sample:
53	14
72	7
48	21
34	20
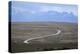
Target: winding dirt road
57	33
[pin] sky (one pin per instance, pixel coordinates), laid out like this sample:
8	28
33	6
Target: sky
43	12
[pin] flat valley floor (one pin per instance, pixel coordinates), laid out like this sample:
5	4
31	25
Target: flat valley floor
44	36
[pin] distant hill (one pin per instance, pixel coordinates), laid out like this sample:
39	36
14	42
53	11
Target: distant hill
46	16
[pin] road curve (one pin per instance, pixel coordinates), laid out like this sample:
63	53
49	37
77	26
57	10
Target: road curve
27	41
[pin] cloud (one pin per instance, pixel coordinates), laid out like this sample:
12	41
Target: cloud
21	9
49	8
33	11
59	9
41	8
41	12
